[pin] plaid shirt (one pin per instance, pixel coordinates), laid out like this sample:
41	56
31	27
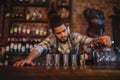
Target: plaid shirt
74	38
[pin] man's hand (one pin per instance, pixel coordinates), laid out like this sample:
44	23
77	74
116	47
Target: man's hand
106	40
23	62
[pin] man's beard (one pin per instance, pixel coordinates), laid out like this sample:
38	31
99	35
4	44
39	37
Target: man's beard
64	40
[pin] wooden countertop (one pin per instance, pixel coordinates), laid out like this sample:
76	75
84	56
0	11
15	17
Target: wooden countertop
41	73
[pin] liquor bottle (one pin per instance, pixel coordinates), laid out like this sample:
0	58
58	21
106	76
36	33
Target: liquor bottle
27	46
20	30
96	44
11	47
24	30
23	48
19	47
40	15
34	15
20	1
7	47
28	31
35	42
6	60
27	14
45	31
12	29
31	44
37	31
41	31
15	45
33	30
93	56
64	13
15	30
44	2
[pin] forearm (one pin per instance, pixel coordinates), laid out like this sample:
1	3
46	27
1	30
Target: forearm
33	54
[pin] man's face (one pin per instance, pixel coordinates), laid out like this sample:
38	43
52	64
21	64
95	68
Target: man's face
61	33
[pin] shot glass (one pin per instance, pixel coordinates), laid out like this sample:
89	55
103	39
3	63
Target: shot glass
82	61
57	61
74	61
65	60
48	61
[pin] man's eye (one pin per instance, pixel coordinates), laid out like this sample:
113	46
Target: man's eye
64	30
58	33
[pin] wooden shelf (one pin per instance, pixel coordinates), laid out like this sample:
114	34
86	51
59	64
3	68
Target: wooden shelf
28	21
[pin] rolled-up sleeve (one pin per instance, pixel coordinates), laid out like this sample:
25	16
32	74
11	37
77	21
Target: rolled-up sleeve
44	45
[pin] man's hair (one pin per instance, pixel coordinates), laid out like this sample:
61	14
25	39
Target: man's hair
53	18
55	21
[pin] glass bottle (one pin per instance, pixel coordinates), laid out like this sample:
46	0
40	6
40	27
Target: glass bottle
40	15
15	30
28	31
96	44
12	29
24	30
27	14
37	31
20	30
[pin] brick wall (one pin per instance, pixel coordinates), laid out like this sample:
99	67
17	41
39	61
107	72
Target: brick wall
79	23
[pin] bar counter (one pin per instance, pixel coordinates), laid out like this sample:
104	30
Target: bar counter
95	72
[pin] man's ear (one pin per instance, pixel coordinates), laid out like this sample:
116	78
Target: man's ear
68	29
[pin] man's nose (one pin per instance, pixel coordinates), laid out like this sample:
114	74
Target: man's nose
62	33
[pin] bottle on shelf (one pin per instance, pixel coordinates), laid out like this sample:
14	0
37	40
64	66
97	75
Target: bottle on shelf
23	48
12	30
40	15
34	15
15	45
19	46
15	30
8	46
11	46
20	30
27	46
6	60
24	30
44	2
64	13
37	31
28	14
21	1
28	31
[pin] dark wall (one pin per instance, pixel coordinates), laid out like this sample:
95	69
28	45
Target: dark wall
116	30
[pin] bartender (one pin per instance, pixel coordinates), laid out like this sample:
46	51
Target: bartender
62	41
